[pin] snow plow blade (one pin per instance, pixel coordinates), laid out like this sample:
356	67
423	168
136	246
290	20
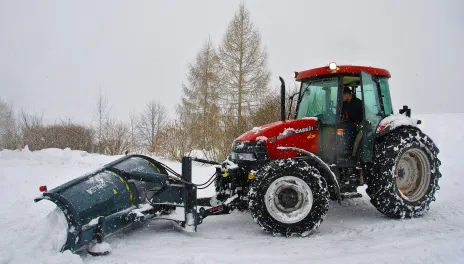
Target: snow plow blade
128	190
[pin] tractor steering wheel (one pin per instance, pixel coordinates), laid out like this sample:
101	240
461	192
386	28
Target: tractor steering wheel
328	116
343	119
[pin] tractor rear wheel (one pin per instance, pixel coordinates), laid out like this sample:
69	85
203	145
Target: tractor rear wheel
289	197
405	173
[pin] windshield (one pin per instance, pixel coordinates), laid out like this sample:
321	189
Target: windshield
319	99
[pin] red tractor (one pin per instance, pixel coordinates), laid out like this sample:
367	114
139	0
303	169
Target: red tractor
344	135
286	172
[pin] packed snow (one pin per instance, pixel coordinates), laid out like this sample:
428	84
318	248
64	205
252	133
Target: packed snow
261	138
257	129
397	120
287	131
353	232
94	222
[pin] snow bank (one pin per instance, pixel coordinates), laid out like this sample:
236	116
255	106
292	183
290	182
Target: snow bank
36	238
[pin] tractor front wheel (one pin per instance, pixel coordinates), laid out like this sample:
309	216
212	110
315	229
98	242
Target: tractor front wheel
289	197
405	173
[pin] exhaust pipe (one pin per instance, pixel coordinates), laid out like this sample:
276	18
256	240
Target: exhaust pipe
282	99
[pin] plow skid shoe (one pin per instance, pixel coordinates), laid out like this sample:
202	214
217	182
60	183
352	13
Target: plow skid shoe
99	249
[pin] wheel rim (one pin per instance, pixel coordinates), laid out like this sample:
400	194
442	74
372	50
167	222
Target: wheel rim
289	199
413	174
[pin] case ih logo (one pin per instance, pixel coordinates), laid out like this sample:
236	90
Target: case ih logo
290	131
306	129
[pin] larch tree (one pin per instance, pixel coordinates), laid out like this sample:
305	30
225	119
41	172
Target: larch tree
101	117
245	74
133	131
200	100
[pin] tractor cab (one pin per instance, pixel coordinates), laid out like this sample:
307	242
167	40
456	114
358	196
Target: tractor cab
348	102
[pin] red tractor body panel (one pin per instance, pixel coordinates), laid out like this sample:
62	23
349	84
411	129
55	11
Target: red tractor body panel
301	133
341	69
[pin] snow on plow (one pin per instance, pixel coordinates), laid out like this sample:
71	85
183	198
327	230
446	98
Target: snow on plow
131	189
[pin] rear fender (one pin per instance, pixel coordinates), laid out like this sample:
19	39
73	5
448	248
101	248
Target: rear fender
323	168
393	122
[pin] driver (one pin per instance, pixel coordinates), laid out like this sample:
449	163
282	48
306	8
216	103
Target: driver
352	111
352	107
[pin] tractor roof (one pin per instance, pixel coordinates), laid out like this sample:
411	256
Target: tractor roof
341	69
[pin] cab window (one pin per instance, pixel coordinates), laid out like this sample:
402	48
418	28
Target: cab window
386	98
319	99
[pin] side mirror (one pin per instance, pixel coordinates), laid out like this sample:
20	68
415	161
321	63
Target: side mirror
406	110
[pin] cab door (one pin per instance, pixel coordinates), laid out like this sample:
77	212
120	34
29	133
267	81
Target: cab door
372	114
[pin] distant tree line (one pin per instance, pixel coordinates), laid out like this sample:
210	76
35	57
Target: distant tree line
225	94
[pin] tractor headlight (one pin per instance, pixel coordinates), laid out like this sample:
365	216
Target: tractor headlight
332	66
243	156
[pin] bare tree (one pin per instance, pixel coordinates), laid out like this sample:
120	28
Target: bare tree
8	127
133	131
268	111
101	116
63	135
175	139
245	72
115	138
29	124
269	108
28	120
151	122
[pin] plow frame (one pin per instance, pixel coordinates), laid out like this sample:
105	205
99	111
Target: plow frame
175	191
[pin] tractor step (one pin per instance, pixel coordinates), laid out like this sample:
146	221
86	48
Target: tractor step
350	195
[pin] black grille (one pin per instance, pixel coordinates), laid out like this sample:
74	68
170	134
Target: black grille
256	147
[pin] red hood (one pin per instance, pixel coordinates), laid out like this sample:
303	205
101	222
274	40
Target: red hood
275	129
301	133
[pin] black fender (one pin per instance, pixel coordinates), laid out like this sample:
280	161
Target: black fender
323	168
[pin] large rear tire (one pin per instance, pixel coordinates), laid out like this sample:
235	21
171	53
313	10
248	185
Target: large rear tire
289	197
404	177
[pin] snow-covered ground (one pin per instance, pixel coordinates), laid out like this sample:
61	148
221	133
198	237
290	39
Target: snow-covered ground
353	232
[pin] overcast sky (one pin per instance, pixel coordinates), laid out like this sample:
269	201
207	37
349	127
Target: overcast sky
56	55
